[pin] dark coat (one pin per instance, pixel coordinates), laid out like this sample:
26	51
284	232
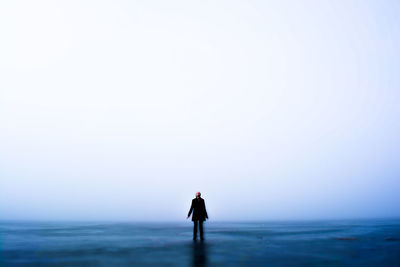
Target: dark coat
199	210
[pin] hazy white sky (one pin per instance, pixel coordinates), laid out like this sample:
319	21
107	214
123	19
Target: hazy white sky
122	110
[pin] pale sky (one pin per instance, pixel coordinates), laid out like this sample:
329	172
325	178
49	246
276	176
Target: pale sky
122	110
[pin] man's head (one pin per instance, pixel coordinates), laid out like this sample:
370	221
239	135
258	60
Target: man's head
198	194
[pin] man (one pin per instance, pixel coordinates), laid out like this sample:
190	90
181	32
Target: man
199	215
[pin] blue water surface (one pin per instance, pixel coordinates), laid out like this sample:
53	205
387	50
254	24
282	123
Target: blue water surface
273	243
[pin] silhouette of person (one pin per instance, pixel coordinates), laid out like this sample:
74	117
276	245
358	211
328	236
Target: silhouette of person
199	215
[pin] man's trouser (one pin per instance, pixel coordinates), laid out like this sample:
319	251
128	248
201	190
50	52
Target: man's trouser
200	223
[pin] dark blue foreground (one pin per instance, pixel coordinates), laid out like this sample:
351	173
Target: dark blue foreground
319	243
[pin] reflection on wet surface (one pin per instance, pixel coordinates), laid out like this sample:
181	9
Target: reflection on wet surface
199	253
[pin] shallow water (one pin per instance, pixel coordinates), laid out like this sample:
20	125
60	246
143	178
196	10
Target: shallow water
319	243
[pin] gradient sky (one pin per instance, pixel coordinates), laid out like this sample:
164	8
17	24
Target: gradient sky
122	110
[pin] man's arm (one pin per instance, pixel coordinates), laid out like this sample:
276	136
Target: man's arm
205	211
190	211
